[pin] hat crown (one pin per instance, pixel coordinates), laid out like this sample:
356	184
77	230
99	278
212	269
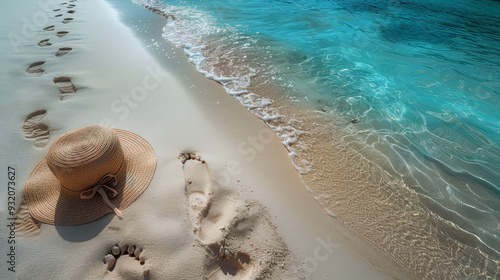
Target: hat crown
80	158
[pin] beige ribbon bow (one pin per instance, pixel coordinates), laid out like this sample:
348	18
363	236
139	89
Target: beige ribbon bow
107	182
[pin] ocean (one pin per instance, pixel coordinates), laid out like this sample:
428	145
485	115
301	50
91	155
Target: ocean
390	111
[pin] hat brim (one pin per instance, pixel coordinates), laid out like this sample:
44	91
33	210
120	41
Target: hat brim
48	204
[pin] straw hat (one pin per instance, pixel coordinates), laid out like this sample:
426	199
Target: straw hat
87	173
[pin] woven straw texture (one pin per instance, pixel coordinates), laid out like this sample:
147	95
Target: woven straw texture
43	191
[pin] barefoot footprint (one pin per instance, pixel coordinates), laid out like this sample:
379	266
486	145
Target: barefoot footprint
231	229
126	261
209	224
67	20
198	194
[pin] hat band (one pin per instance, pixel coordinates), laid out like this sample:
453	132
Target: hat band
107	182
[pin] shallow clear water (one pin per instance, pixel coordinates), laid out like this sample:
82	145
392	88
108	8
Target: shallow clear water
422	78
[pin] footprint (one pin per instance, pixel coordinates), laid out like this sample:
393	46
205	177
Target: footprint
36	68
197	193
58	15
66	86
71	11
56	10
236	234
71	6
64	3
61	34
49	28
33	128
126	261
229	262
44	43
63	51
67	20
26	225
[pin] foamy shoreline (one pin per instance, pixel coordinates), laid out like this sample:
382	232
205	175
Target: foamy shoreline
110	79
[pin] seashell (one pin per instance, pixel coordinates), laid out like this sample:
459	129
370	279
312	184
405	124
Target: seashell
198	158
183	160
115	250
137	253
227	254
123	249
109	260
193	156
131	250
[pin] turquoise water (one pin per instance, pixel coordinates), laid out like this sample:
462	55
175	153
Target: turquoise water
422	78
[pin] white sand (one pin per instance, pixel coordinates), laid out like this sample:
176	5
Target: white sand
259	208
